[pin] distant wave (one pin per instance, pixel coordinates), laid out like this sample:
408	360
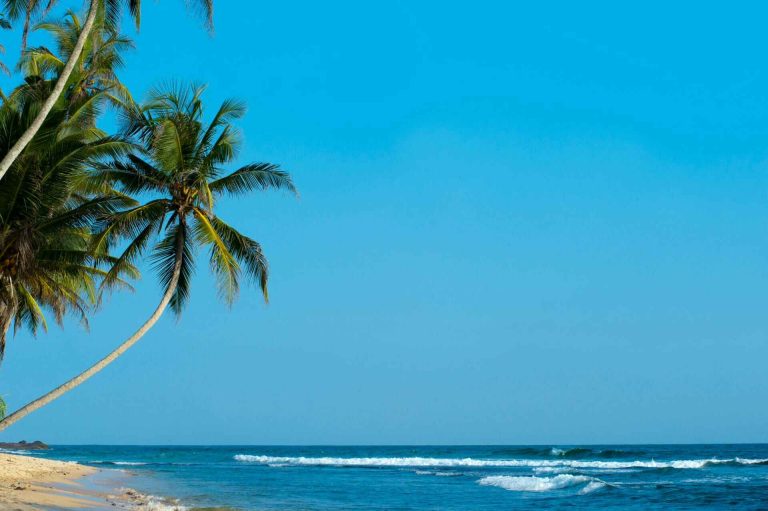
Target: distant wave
474	462
541	484
572	453
566	452
130	463
438	473
617	453
12	451
521	451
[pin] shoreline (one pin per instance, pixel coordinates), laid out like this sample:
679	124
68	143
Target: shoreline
29	483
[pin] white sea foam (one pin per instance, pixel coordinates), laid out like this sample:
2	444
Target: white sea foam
438	473
474	462
12	451
128	463
539	484
585	470
557	452
748	461
592	486
145	502
153	503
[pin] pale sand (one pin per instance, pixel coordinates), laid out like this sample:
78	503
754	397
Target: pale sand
33	484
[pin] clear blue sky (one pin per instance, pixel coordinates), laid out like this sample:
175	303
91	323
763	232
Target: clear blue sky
518	224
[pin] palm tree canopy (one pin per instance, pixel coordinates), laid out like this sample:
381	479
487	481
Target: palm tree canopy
111	15
33	11
46	218
47	212
180	174
97	67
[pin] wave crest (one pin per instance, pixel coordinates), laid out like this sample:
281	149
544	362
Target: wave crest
542	484
474	462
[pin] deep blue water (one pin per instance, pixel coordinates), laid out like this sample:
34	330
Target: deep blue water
460	478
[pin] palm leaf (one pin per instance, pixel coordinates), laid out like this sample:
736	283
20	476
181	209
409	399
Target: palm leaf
223	263
248	253
255	176
175	246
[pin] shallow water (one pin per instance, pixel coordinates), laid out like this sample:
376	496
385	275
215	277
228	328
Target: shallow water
453	478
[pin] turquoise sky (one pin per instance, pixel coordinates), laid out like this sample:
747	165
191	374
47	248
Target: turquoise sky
518	224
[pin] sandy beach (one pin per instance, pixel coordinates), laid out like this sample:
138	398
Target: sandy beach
28	483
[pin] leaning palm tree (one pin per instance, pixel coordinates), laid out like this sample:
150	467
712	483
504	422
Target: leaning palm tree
46	211
112	9
46	216
181	176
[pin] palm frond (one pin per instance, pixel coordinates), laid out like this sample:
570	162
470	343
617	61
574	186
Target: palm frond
223	264
175	248
248	253
254	176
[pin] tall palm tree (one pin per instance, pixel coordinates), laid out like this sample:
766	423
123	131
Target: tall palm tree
47	258
112	13
181	176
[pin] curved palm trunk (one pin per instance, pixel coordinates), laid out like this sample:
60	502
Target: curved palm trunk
104	362
58	89
6	317
5	325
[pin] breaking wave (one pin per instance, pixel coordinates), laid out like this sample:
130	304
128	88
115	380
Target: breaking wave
542	484
153	503
474	462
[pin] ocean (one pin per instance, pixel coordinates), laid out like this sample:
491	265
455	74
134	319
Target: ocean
446	478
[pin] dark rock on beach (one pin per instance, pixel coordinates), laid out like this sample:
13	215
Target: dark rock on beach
23	445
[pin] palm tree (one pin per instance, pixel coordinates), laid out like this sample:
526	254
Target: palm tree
46	210
181	176
47	258
112	14
95	70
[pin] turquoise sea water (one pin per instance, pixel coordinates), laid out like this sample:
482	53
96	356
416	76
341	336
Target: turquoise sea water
453	478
